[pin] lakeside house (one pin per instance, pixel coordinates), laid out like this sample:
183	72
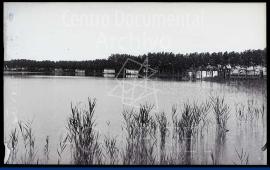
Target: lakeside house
15	69
79	72
227	71
41	69
109	71
264	71
109	75
252	71
209	71
58	70
200	73
206	74
131	71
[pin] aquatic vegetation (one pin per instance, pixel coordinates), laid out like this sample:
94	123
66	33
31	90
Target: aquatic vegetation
214	160
190	123
240	113
84	137
242	157
149	137
29	143
249	113
141	140
163	130
14	144
111	150
222	112
61	148
163	127
46	150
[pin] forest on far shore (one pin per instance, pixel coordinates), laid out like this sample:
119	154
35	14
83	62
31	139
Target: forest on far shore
166	62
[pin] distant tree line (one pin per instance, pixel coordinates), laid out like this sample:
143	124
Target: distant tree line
164	62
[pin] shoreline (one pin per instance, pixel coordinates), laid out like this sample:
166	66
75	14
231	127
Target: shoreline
171	77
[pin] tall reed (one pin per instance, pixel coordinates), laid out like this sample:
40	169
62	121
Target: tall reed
84	137
111	150
222	112
29	143
62	147
163	130
143	131
243	157
141	139
46	150
14	145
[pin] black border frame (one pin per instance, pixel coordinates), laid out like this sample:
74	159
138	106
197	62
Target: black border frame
130	166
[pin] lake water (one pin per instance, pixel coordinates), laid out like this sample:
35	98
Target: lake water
46	100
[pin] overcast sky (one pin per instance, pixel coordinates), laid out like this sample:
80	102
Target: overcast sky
85	31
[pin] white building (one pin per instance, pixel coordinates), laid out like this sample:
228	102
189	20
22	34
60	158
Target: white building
130	71
215	73
79	72
205	74
109	71
264	71
58	70
250	71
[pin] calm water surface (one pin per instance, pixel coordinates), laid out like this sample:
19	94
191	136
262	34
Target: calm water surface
46	100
